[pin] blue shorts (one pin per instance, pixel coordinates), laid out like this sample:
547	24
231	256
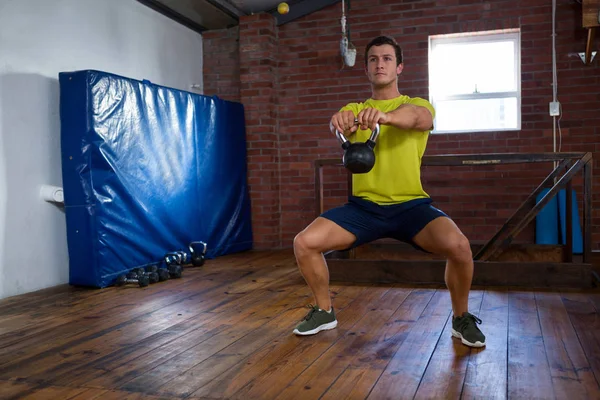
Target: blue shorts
369	221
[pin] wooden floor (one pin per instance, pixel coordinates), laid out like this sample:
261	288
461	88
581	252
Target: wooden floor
225	331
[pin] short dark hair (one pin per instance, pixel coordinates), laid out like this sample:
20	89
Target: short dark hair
380	40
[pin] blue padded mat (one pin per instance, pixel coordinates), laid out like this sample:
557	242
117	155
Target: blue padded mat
146	170
546	222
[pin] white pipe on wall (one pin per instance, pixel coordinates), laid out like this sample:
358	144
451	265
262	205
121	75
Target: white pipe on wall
53	194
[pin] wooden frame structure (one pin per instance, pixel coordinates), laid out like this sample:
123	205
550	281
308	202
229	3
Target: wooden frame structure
490	267
591	22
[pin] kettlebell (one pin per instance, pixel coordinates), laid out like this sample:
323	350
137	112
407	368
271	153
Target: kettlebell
359	157
198	251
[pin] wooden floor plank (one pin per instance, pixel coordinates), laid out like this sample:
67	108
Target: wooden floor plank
111	369
229	383
224	331
55	392
62	294
15	390
63	347
353	383
121	307
123	295
41	298
308	348
594	297
190	381
572	375
487	368
586	322
370	360
528	371
99	394
58	317
116	369
152	380
58	361
446	371
324	371
403	374
41	311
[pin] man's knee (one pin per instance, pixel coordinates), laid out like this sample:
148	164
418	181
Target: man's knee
304	243
321	236
459	248
308	241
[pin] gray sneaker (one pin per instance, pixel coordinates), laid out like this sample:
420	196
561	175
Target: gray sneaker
465	328
316	321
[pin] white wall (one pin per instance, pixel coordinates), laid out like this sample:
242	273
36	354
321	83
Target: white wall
39	39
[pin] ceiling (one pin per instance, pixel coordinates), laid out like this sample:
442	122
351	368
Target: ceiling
255	6
203	15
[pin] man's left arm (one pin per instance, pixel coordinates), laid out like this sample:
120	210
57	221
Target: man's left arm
417	115
411	116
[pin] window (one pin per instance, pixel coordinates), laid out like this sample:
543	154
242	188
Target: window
475	81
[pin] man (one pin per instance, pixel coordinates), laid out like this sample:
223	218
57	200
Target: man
388	201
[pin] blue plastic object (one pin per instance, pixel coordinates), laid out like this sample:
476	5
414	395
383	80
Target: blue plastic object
576	226
147	170
546	221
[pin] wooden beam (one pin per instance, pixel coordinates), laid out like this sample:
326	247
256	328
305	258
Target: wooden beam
174	15
561	184
587	212
318	191
520	219
391	249
590	13
228	8
521	210
569	222
530	275
496	158
477	159
589	45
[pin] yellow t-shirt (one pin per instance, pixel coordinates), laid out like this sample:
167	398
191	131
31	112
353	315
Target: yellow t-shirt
396	176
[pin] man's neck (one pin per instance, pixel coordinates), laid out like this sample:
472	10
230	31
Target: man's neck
385	93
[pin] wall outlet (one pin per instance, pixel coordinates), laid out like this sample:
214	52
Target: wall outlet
554	109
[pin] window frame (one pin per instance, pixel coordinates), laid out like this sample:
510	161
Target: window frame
479	37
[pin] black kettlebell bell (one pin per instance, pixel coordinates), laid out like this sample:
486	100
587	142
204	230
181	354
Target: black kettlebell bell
359	157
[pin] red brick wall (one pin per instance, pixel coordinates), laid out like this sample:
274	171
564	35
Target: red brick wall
308	84
258	76
221	63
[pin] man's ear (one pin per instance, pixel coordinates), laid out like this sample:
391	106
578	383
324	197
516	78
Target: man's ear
399	68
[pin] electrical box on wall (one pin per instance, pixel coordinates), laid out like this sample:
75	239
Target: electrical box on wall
554	108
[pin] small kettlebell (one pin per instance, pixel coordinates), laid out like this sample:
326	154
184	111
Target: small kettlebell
198	251
359	157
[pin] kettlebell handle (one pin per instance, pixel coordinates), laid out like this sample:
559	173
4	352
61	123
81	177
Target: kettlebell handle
373	137
203	244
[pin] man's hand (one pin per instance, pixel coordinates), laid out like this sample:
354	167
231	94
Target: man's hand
343	121
370	117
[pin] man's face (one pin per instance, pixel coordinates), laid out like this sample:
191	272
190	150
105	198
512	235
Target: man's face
381	65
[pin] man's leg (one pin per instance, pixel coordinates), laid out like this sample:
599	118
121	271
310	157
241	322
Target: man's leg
339	228
441	236
320	236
